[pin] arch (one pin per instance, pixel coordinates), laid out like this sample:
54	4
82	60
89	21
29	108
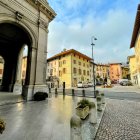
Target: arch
30	39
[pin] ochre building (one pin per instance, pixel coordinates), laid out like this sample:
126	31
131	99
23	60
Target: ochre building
71	67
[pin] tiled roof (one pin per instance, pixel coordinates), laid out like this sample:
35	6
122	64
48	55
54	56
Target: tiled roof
136	28
68	52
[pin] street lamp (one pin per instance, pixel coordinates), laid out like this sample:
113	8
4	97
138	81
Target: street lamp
92	44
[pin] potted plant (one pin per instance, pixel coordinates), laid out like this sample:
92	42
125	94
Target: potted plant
82	110
2	126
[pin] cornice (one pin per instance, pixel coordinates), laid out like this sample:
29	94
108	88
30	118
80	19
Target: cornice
44	7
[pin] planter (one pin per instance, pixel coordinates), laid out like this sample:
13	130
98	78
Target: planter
93	113
82	112
2	126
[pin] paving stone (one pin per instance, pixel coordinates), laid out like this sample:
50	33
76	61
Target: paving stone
121	121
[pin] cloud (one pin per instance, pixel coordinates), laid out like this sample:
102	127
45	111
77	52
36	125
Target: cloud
113	30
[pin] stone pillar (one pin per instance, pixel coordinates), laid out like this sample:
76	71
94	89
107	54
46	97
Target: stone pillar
93	113
75	124
18	81
99	103
36	69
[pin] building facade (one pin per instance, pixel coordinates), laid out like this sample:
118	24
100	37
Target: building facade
133	69
71	67
102	71
115	72
135	43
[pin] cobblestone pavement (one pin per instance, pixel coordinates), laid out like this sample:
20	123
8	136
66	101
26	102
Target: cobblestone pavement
121	121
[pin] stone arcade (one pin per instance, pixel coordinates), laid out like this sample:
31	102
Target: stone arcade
24	22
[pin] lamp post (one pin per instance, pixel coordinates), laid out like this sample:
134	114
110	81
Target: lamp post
94	85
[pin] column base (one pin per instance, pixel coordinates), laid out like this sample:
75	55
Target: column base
17	88
28	91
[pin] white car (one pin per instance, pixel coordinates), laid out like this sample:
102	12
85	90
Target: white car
85	85
90	84
80	85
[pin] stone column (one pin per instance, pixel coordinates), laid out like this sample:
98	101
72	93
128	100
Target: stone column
18	83
28	88
36	69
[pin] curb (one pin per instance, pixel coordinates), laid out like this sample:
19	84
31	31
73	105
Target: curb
89	130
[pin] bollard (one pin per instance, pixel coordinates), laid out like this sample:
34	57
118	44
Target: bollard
76	124
49	90
103	98
99	103
63	91
83	92
93	113
96	93
56	91
64	88
73	92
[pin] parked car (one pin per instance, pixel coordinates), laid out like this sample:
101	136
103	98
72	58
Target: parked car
90	84
98	83
85	85
126	83
121	80
80	85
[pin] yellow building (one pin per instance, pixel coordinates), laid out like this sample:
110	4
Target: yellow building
135	43
125	72
71	67
133	69
102	71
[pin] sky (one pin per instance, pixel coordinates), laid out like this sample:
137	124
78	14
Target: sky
77	21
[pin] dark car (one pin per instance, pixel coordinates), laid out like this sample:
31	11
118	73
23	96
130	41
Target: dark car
126	83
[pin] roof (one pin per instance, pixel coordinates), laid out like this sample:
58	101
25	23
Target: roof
115	63
132	56
136	28
106	65
68	52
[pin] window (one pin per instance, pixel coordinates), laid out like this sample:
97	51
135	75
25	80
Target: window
83	64
64	61
79	63
74	70
1	71
51	72
60	73
88	73
64	70
84	72
80	71
74	61
60	64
